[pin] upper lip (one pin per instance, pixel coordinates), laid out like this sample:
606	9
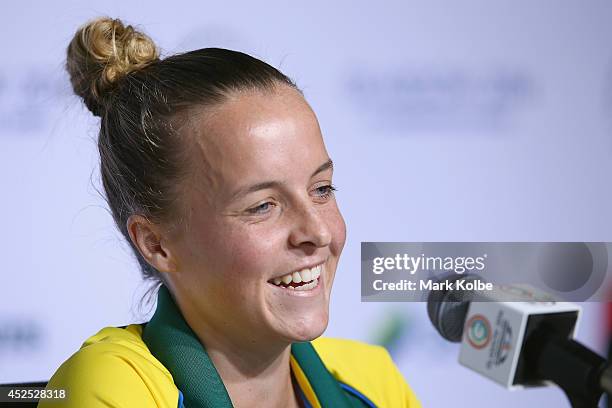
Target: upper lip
309	266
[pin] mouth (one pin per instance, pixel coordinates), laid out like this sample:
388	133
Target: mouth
303	280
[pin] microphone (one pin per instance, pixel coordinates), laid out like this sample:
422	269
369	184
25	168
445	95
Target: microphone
519	336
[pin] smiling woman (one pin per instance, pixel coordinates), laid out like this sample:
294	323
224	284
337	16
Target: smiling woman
216	173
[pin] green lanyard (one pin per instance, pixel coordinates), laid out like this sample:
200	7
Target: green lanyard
174	344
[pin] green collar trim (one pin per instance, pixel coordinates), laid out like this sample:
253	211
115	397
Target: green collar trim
173	343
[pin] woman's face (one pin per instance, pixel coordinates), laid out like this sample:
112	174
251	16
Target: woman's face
260	208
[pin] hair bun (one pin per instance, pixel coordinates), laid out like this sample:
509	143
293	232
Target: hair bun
102	52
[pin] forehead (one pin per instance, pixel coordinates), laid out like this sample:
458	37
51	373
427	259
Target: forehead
258	136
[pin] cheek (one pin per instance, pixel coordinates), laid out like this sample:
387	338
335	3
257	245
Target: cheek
251	251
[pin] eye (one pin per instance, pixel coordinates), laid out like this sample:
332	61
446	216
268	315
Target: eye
326	191
263	208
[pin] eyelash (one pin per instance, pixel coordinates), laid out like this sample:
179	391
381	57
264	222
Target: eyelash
330	189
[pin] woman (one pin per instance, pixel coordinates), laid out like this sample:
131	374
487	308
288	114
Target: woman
215	171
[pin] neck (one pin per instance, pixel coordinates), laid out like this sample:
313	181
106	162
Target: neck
255	371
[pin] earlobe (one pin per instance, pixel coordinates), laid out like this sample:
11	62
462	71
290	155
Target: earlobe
149	241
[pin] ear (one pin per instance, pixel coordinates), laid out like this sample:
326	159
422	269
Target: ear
151	243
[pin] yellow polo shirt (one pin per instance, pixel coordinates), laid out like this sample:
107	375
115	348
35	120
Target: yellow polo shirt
114	368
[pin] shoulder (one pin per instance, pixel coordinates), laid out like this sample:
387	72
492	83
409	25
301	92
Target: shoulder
114	368
368	369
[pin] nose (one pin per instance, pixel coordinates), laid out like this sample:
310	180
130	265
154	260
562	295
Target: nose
309	228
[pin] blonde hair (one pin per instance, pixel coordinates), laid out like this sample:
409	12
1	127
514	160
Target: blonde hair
103	51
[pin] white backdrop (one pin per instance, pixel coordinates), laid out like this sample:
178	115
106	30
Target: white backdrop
447	121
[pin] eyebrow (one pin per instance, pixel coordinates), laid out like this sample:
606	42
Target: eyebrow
329	164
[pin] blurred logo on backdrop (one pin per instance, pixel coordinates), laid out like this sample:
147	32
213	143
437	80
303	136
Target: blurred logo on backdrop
28	97
405	330
20	335
440	98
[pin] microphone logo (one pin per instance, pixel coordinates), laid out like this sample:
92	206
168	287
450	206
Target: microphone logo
502	341
478	331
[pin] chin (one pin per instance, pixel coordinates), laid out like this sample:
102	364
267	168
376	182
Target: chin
308	328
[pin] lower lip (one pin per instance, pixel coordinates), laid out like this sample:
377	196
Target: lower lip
301	293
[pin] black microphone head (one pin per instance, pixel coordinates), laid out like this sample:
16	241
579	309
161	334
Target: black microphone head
447	308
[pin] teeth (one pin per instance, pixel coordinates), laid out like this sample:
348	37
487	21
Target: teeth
308	276
297	278
307	286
